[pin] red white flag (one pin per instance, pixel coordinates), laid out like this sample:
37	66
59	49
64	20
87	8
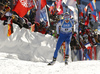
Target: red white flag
59	7
22	7
85	9
43	3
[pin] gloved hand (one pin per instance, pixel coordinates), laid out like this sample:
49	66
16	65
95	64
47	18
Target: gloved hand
57	35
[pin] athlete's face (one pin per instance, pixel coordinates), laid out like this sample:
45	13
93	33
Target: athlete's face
66	18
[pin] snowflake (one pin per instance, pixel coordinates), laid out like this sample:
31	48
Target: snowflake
26	3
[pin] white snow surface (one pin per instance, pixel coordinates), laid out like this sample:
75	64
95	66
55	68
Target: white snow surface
26	52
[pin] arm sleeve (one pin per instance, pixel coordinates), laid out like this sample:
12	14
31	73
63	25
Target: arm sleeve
57	27
72	21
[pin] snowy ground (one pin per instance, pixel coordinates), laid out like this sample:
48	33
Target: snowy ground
26	52
11	66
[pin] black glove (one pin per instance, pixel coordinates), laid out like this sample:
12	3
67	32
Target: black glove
57	35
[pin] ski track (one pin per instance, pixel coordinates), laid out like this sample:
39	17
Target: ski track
11	66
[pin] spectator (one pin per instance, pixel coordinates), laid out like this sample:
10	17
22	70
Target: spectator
42	28
96	39
3	10
37	25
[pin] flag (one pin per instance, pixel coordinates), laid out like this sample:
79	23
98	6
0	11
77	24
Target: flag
71	14
94	15
34	1
72	5
43	3
69	2
85	9
80	11
87	21
51	9
38	4
10	27
59	7
22	7
94	1
81	14
87	12
44	12
99	15
92	5
88	46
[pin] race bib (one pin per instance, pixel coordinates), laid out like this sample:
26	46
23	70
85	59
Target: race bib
66	25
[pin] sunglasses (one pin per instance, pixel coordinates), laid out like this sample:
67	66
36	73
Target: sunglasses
67	18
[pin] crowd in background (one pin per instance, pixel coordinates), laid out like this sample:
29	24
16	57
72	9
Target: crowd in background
27	21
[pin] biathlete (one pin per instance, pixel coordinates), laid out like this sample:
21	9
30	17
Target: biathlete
64	29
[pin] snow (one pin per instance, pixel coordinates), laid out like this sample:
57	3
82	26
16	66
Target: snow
26	52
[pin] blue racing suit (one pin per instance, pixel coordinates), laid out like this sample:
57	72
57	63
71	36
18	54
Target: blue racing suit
64	35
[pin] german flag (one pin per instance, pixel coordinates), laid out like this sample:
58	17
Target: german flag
10	27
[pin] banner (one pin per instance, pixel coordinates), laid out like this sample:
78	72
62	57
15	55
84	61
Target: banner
22	7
